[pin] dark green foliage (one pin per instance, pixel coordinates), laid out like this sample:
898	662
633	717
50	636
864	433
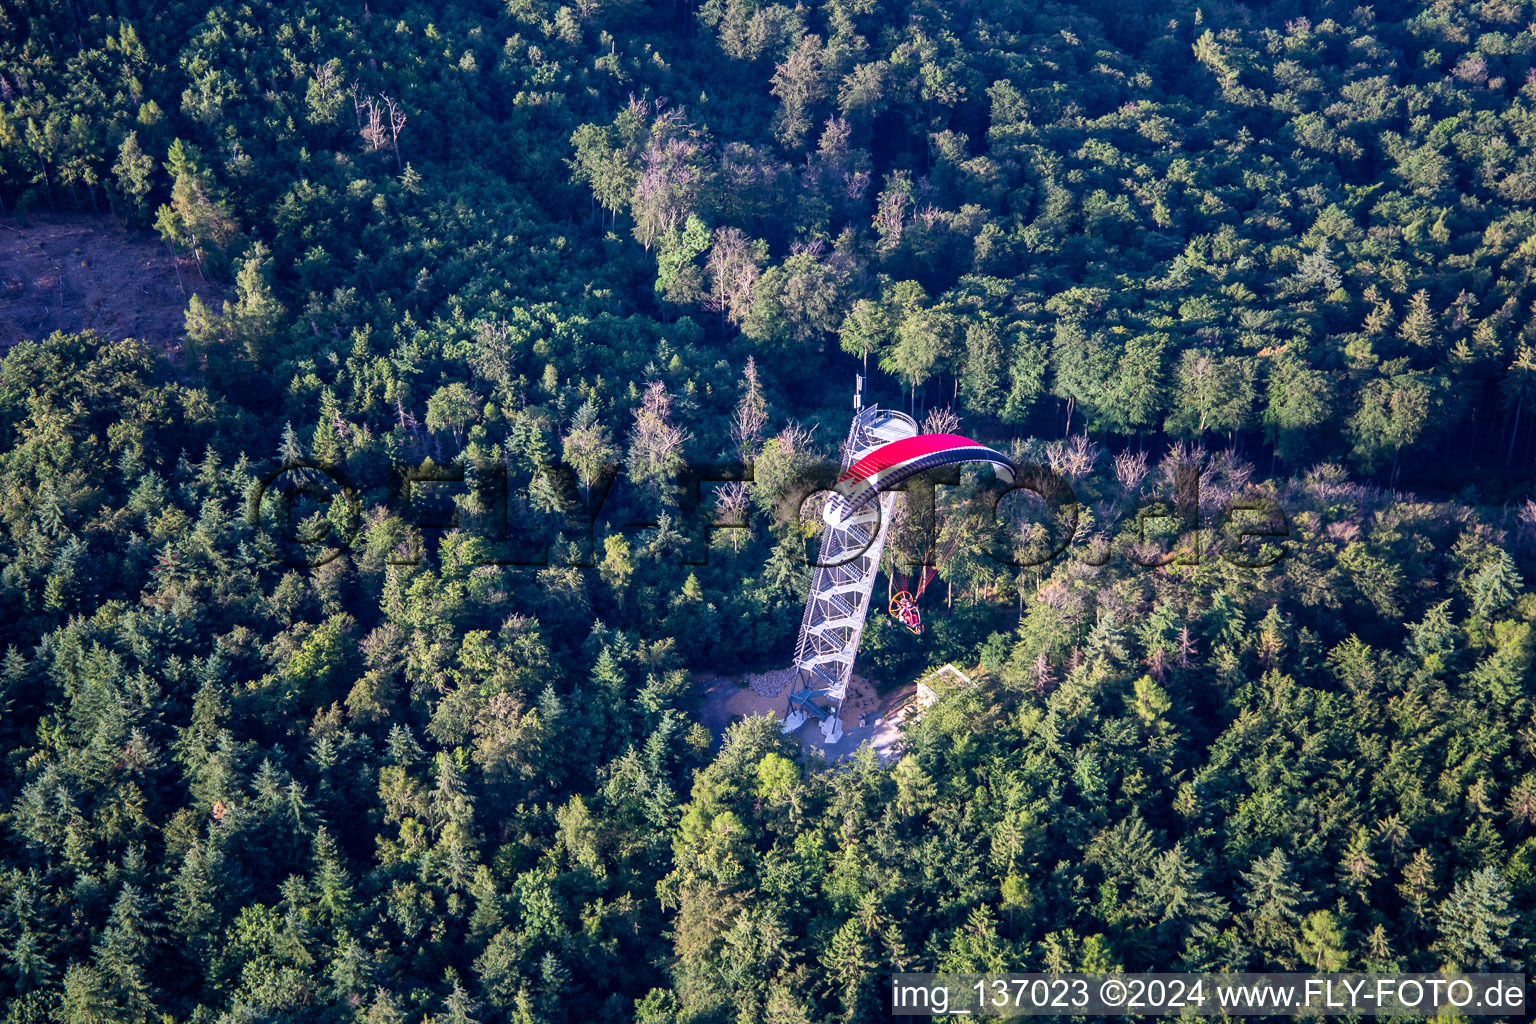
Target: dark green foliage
407	784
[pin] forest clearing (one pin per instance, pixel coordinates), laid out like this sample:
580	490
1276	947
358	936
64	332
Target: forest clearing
76	272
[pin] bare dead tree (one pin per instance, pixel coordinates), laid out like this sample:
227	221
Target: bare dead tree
325	78
1072	458
1044	676
404	418
733	269
358	99
750	415
855	184
1182	457
814	248
396	122
1187	649
795	437
1236	470
373	131
655	442
891	216
1527	519
1130	470
670	185
731	509
941	421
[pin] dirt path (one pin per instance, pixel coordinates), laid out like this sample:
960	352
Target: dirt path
69	272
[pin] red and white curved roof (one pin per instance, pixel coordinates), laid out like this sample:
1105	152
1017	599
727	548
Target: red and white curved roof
890	464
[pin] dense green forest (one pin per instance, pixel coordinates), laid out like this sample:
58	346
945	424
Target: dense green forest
364	773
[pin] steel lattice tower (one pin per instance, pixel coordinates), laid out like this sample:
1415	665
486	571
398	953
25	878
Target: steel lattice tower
840	588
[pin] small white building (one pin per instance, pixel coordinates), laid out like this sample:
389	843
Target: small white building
935	683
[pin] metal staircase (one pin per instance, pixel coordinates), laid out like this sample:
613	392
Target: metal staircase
840	588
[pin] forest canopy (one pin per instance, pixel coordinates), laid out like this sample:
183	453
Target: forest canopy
526	262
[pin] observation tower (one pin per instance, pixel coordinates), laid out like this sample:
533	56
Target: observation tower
843	580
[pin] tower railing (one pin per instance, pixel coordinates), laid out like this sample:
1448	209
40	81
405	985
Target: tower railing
838	602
